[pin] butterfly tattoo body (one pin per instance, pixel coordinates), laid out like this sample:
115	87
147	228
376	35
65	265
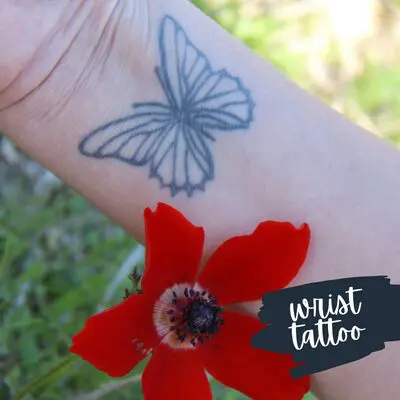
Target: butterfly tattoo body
173	137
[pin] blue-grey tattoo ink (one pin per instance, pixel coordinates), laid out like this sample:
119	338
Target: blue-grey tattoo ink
173	138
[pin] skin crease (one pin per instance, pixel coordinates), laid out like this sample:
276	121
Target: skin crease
19	20
79	64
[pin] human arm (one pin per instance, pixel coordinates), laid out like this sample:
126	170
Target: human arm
298	160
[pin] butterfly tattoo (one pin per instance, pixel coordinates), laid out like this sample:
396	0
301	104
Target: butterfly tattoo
173	138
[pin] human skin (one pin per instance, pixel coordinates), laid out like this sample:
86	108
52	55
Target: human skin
70	66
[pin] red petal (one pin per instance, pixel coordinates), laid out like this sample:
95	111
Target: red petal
175	375
173	249
107	339
230	358
245	267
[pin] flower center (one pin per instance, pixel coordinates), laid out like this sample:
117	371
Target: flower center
186	316
201	317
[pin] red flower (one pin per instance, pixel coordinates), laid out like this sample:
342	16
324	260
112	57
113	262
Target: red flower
181	318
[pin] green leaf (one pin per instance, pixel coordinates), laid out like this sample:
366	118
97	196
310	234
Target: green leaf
5	391
309	396
49	376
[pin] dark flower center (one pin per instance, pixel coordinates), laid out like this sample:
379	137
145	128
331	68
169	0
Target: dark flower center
185	316
202	317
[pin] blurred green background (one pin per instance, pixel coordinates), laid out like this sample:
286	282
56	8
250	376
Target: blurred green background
61	261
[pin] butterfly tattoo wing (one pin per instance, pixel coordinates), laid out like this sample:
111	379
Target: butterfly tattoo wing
173	138
212	100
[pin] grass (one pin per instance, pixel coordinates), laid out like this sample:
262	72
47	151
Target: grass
61	260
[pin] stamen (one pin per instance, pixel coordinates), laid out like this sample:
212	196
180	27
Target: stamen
186	315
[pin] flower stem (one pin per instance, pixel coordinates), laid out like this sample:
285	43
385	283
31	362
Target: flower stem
42	380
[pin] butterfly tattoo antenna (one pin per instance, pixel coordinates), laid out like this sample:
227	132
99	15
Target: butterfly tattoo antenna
173	138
